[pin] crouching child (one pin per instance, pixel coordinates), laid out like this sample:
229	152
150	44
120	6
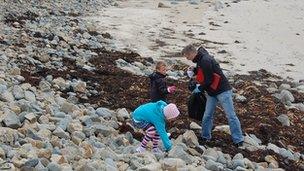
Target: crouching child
152	118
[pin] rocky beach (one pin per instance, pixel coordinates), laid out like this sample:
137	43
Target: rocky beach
72	72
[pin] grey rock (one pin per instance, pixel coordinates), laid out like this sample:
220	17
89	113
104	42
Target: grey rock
238	156
110	164
286	153
27	168
300	88
30	96
194	2
284	119
214	166
86	167
7	96
152	167
54	167
63	123
273	147
210	154
60	114
104	112
218	5
40	167
67	107
238	163
3	88
44	86
87	121
272	90
11	120
104	130
239	168
178	152
31	162
79	135
286	97
221	158
252	140
59	132
300	106
31	117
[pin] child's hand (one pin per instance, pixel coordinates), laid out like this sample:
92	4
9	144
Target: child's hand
190	72
171	89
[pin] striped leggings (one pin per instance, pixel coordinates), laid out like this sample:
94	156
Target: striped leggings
151	135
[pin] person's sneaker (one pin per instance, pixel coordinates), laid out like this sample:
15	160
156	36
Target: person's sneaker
140	149
156	151
206	141
240	144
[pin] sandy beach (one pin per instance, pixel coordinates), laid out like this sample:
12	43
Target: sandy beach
244	35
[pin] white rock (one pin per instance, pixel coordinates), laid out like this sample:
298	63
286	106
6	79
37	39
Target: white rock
122	114
284	119
195	126
151	167
300	88
299	106
286	153
80	87
284	87
240	98
190	138
31	117
223	128
60	82
273	147
67	107
172	163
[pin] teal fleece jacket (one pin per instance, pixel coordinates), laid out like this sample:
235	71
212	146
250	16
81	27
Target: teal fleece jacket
153	113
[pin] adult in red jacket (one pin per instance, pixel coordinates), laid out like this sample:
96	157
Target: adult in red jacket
212	80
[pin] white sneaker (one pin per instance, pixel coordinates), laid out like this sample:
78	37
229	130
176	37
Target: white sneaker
140	149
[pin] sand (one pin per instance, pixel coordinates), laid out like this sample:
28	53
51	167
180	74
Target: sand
256	34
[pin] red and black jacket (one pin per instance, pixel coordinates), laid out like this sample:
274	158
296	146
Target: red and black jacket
209	74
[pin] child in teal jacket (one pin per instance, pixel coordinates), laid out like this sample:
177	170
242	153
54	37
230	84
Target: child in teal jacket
151	117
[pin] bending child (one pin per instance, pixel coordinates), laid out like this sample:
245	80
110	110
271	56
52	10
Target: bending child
152	117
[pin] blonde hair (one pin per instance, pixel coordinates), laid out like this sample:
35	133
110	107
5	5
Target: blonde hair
160	64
